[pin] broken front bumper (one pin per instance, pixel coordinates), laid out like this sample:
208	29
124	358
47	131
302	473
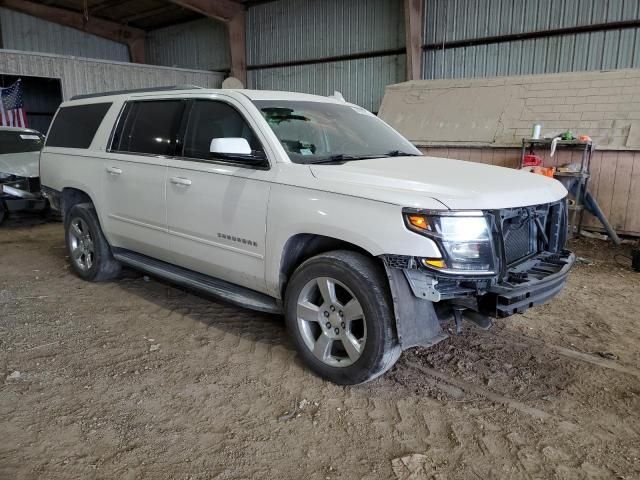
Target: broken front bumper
528	284
530	267
531	282
422	301
20	194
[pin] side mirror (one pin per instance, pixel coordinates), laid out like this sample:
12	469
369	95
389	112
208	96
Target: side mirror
230	146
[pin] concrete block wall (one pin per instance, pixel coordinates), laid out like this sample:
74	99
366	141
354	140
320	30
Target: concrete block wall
501	111
482	120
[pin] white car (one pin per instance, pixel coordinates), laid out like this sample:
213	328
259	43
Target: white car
19	176
303	205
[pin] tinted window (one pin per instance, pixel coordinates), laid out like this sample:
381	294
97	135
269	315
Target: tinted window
208	120
19	142
149	127
75	127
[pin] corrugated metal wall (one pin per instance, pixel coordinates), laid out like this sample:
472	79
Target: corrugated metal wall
453	20
294	30
24	32
360	81
201	44
81	75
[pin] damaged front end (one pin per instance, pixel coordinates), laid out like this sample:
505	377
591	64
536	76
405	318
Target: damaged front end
20	194
19	171
517	262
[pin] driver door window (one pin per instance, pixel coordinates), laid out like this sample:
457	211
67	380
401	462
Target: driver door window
211	119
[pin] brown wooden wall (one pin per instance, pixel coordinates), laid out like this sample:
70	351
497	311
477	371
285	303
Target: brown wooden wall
615	178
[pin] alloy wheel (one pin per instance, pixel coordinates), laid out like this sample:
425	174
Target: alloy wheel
81	244
331	322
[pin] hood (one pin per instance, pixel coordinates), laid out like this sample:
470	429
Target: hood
459	185
20	164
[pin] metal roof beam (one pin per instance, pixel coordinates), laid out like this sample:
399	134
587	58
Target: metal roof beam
148	13
133	37
222	10
105	4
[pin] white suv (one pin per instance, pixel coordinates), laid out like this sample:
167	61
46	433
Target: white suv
302	205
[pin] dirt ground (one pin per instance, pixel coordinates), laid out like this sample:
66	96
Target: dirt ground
137	379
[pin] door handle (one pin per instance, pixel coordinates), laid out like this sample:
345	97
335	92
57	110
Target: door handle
185	182
114	170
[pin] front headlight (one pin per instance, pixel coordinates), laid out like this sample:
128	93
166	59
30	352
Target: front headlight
464	239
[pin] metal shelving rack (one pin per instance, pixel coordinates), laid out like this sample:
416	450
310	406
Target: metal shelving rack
576	211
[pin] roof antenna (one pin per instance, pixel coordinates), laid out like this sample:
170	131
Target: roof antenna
338	96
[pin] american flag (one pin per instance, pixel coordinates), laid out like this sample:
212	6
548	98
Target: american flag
11	106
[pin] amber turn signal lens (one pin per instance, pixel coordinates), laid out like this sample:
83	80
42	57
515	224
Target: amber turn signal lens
418	221
434	262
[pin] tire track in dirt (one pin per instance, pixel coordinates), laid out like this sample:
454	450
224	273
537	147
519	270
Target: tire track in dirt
471	388
211	404
402	429
576	355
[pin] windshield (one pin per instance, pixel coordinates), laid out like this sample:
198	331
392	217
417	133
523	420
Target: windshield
317	132
19	142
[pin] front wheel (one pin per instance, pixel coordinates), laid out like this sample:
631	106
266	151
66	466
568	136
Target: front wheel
339	314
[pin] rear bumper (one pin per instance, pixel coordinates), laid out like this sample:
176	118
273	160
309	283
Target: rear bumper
532	283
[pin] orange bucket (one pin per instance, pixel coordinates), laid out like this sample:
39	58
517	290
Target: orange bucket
546	171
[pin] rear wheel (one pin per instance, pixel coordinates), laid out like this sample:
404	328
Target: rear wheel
340	318
88	249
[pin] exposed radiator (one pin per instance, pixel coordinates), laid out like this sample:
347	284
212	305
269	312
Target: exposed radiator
517	233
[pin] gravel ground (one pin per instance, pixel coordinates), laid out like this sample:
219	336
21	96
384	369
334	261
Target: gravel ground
137	379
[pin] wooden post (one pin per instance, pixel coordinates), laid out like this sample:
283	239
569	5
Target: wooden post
413	20
137	50
238	47
233	15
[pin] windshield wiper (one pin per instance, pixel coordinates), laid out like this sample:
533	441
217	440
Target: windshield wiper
400	153
341	157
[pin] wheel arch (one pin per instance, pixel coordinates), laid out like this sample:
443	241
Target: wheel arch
302	246
70	197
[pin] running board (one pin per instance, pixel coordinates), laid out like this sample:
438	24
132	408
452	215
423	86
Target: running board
219	289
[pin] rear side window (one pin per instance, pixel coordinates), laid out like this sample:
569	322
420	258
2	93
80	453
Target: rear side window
149	127
75	127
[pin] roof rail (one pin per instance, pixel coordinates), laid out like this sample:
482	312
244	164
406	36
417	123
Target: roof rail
135	90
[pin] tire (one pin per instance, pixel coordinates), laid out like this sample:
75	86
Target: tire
88	249
351	345
4	212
